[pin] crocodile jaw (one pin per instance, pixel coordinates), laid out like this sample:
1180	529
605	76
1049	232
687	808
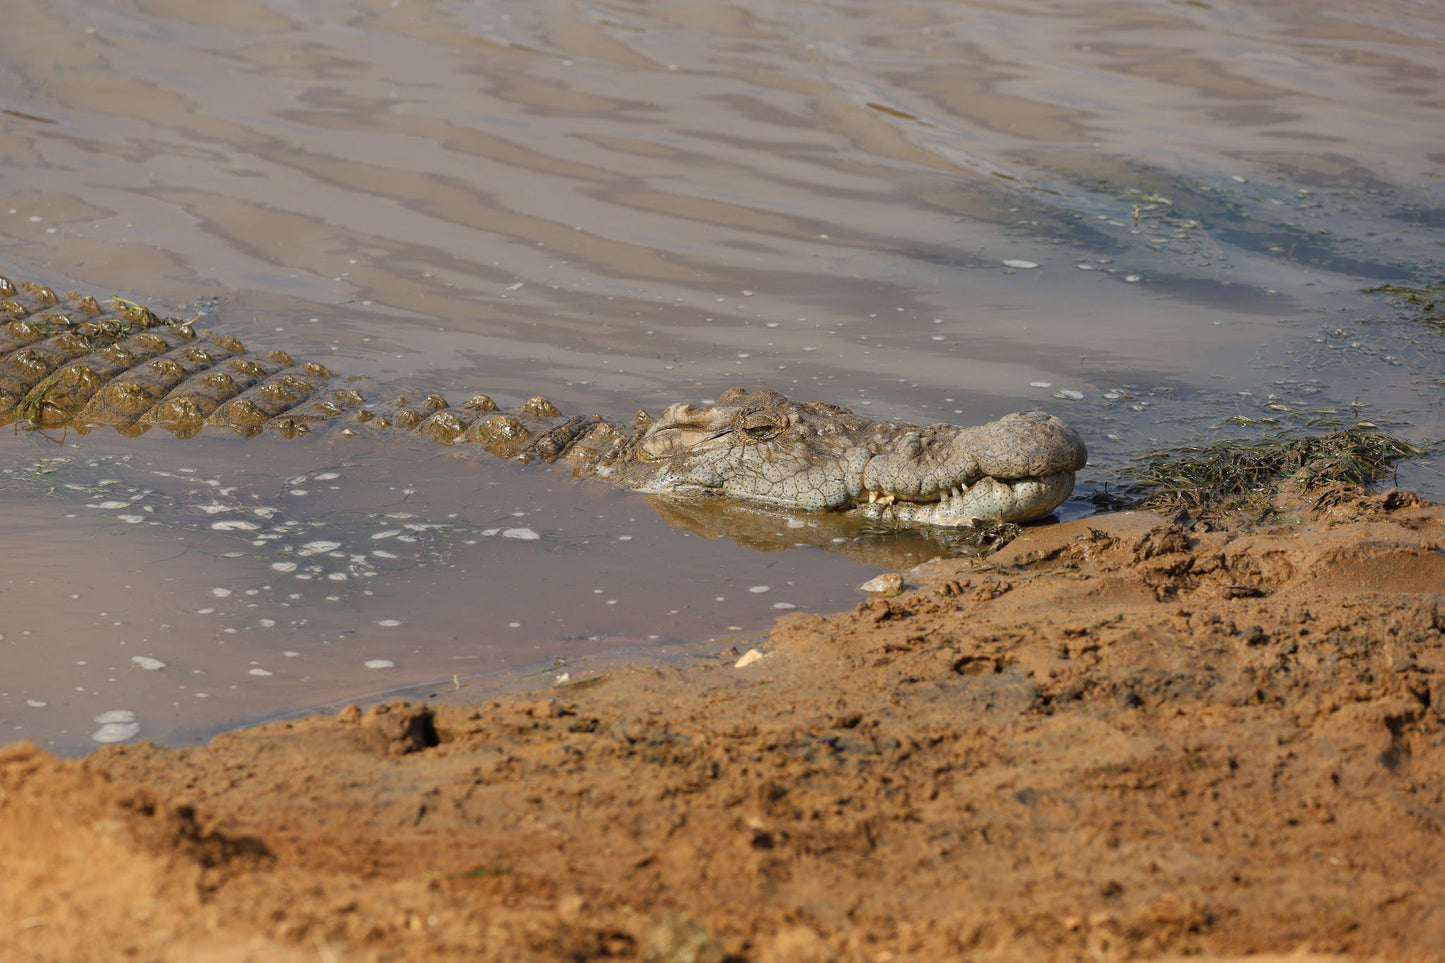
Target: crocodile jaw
988	499
1016	469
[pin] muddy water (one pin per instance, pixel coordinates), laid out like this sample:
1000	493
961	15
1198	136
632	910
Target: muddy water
1153	219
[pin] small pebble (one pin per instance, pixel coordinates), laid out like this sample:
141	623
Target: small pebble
748	658
886	585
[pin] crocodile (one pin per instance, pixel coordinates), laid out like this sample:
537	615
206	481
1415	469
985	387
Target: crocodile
71	361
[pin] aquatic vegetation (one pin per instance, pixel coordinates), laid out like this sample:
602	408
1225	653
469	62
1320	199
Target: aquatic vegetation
1424	303
1239	475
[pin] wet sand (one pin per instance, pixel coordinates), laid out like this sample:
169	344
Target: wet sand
1115	739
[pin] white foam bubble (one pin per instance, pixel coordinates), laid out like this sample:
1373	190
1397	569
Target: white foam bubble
116	725
1020	264
116	732
522	534
380	664
318	546
389	623
147	663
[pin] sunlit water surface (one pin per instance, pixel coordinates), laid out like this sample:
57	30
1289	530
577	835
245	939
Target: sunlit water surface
1155	219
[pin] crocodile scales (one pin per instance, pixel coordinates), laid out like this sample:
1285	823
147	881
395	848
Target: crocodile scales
69	361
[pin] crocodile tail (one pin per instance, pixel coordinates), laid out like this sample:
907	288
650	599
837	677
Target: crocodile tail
66	360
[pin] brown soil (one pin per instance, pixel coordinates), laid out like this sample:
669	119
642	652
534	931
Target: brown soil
1116	738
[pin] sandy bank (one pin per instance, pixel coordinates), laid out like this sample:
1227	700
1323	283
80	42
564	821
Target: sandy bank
1115	739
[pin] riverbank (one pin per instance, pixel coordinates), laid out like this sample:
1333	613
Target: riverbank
1116	738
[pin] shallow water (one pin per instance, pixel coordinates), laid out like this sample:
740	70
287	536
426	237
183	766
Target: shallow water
622	205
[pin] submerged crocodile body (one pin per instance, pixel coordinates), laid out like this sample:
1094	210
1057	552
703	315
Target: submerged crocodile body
69	361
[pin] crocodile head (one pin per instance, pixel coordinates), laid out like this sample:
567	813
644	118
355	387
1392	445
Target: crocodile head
762	447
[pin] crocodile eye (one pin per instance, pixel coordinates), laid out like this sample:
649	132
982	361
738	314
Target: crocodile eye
760	431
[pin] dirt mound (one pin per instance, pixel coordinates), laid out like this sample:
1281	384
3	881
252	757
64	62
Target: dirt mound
1117	738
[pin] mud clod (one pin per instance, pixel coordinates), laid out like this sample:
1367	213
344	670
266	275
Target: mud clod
402	727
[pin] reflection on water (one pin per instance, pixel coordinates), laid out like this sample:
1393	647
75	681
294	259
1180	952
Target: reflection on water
772	530
1155	220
